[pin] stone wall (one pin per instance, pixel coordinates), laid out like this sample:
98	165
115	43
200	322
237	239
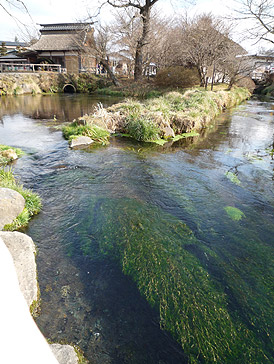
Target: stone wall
48	82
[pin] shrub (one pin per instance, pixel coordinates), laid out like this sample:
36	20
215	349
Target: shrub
246	82
177	77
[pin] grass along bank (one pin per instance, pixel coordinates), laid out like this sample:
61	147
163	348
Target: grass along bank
32	205
165	117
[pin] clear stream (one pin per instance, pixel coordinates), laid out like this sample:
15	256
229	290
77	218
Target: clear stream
219	184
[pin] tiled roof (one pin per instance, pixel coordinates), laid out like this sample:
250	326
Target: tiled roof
64	27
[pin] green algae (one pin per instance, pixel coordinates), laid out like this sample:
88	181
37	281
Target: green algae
160	253
185	135
233	178
234	213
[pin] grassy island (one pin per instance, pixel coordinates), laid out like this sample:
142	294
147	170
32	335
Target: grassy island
170	116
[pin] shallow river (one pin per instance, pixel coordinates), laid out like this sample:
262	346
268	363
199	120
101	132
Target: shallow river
219	184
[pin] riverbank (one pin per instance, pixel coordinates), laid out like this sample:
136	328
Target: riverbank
170	116
50	82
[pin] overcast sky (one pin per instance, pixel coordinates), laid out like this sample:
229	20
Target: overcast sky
62	11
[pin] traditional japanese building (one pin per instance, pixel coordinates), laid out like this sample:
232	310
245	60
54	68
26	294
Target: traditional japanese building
69	44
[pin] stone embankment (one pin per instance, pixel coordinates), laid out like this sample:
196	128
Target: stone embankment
21	340
47	82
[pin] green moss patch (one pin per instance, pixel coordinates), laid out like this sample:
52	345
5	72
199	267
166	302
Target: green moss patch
234	213
99	135
233	178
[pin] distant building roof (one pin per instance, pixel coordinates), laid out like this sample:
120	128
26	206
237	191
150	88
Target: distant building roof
62	37
13	44
12	58
64	27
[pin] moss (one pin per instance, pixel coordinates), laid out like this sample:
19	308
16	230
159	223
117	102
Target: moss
80	355
96	133
234	213
32	200
185	135
233	178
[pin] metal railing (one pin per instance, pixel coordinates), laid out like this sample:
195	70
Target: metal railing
31	67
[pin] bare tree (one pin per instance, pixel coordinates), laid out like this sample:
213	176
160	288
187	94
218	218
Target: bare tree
27	32
201	42
261	15
234	65
127	29
102	48
144	9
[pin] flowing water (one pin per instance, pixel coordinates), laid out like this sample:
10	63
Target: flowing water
207	200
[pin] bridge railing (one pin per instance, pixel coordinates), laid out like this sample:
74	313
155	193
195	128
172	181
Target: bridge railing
31	67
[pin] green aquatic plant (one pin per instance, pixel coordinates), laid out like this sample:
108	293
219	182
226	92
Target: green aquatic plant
32	201
233	178
185	135
96	133
234	213
160	253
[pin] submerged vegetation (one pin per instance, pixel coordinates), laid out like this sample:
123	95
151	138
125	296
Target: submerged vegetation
177	274
166	116
234	213
32	200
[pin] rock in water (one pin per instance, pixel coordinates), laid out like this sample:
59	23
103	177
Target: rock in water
10	154
11	205
65	354
81	141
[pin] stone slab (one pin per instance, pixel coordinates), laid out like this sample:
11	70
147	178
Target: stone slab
65	354
81	141
11	205
22	250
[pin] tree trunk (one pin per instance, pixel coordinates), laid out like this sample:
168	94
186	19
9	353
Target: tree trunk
110	73
138	68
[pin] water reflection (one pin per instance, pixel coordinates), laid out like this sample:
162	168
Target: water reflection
62	107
